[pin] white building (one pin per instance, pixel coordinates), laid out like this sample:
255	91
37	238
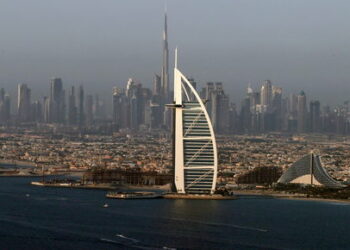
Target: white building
196	160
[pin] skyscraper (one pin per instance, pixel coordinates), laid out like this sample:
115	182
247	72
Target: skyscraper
277	108
57	101
165	77
157	86
117	105
302	112
219	109
315	116
23	103
4	106
37	111
208	94
81	116
134	118
195	151
89	110
72	108
165	65
266	93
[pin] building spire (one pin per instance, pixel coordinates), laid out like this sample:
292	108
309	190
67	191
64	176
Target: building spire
165	66
176	58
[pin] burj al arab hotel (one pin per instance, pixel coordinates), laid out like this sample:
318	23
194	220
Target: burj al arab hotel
195	151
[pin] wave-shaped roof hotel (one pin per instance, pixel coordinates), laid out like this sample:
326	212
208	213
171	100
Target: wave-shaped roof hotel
309	170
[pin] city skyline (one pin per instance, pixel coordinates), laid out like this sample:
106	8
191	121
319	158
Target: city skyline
174	124
138	106
119	51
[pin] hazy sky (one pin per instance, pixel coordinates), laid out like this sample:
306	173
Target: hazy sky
298	44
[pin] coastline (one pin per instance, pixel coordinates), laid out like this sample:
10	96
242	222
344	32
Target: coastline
285	196
100	186
18	163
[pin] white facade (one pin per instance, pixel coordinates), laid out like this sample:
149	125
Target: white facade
196	158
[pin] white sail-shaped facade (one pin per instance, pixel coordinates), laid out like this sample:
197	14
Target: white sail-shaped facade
196	159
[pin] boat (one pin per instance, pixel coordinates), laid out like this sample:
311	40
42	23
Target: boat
37	183
133	195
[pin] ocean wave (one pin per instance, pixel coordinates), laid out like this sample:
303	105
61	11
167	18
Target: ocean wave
137	243
127	238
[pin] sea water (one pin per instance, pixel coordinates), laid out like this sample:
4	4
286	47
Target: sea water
34	217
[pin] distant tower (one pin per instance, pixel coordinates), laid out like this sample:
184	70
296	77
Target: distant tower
57	102
315	118
266	93
81	106
277	108
23	103
89	110
5	104
165	66
130	88
117	105
302	112
157	87
2	95
72	109
134	118
208	95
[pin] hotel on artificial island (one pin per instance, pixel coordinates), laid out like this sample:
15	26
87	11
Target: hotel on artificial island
195	150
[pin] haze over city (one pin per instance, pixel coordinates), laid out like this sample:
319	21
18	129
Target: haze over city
174	124
298	45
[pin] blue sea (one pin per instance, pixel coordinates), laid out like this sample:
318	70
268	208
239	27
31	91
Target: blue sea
53	218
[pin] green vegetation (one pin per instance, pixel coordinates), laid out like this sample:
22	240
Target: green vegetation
314	191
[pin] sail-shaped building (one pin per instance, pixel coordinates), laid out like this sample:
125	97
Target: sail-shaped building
309	170
195	151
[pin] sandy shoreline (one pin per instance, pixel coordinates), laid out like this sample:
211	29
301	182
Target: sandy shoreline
285	196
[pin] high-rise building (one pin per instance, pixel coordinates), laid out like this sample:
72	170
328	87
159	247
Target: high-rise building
155	116
276	108
72	108
246	123
130	88
81	112
266	93
5	104
121	109
195	153
209	89
89	110
57	101
315	116
157	85
23	103
134	111
302	112
165	77
233	119
37	111
46	109
219	109
2	94
165	65
292	113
